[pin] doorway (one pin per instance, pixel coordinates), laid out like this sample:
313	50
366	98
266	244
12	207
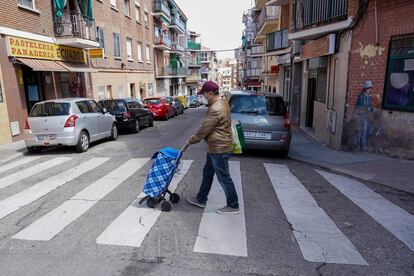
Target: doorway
32	88
311	98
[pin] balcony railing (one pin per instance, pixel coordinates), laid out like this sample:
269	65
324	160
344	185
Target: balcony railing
177	47
176	21
159	6
277	40
163	40
311	12
194	62
193	78
168	71
253	72
75	25
268	13
193	45
255	50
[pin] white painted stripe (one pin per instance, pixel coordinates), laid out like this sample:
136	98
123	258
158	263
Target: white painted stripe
25	197
395	219
223	234
55	221
319	239
18	163
133	225
16	177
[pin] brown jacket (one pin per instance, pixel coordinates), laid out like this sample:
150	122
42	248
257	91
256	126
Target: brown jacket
216	128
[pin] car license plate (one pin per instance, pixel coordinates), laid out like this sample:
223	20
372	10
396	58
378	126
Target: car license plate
257	135
46	138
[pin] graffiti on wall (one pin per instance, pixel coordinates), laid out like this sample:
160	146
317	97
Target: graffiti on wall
363	129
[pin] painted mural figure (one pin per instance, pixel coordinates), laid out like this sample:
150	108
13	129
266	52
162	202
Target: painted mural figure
363	112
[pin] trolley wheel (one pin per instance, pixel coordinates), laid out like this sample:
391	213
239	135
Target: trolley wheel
166	206
151	202
174	198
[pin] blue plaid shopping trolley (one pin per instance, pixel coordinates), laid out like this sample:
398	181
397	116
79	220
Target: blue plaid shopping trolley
159	178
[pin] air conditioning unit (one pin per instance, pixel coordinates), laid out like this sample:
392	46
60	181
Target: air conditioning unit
331	120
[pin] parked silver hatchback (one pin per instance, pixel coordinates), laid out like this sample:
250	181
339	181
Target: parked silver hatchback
264	119
68	122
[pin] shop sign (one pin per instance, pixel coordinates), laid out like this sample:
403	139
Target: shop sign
274	70
27	48
318	48
96	53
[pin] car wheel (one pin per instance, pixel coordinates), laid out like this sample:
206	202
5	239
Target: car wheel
151	121
166	116
34	149
136	127
83	142
114	132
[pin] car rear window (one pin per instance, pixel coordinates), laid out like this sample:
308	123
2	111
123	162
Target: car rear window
152	101
257	105
114	105
50	109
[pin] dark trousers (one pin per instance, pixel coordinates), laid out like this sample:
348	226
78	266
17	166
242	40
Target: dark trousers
218	163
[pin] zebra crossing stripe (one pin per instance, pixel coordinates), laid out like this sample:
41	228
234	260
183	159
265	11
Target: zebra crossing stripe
25	197
223	234
395	219
133	225
55	221
18	163
16	177
319	239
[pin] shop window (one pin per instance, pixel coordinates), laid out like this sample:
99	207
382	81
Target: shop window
399	83
117	45
120	91
102	94
28	4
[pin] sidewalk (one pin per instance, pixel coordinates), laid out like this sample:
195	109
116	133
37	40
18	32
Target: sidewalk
379	169
11	151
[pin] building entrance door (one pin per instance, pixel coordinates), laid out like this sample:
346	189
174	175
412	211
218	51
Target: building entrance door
32	88
311	98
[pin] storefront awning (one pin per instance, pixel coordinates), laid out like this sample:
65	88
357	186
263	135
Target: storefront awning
77	67
42	65
55	66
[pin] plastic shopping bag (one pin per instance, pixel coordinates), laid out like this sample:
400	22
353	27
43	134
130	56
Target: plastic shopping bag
238	138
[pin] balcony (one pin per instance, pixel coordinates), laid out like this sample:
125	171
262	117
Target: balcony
260	4
73	30
253	72
169	72
160	10
277	40
178	25
277	2
162	42
311	13
193	78
194	63
176	47
255	51
192	45
268	20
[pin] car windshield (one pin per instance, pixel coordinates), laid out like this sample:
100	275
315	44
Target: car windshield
50	109
193	98
152	101
114	106
257	105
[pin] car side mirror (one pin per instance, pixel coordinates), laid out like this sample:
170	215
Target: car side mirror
104	110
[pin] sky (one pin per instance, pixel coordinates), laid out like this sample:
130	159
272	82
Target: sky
218	21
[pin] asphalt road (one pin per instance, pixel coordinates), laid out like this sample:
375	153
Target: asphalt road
51	223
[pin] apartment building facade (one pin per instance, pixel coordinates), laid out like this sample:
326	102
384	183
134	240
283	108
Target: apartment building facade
194	64
127	68
170	48
42	57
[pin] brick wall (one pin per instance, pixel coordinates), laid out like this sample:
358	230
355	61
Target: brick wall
41	22
115	21
368	60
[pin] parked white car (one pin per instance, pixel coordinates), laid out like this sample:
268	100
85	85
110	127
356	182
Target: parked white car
68	122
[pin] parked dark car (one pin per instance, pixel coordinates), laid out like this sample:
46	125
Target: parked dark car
264	118
129	113
177	105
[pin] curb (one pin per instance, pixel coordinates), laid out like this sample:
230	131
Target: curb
325	167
